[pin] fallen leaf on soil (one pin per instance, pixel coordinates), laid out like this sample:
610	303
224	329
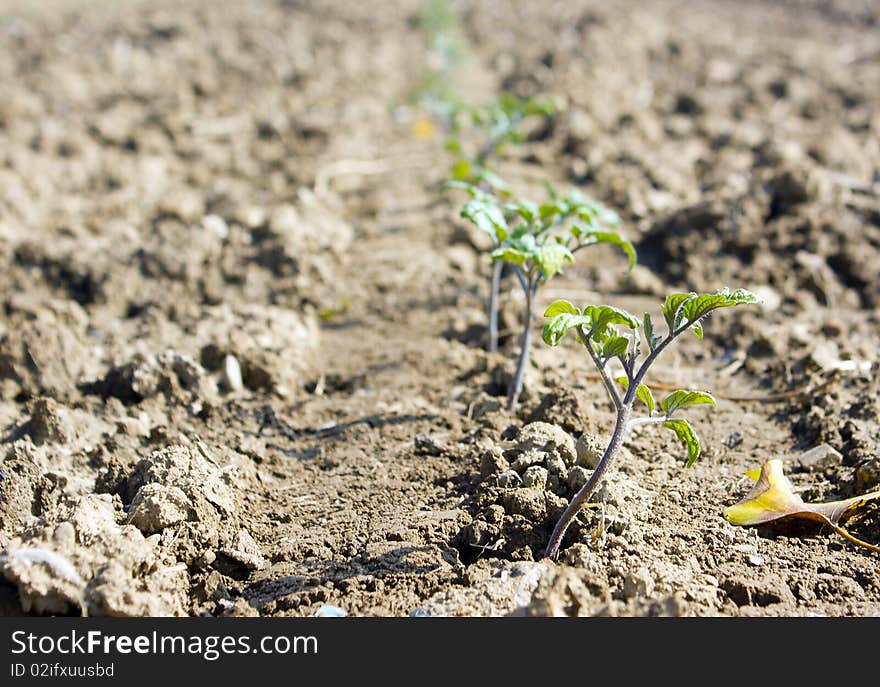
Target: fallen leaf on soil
772	498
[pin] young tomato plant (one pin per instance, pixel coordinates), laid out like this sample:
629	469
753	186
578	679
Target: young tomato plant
446	51
496	125
537	241
608	333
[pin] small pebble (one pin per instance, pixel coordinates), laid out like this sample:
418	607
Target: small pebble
756	559
232	373
819	458
216	225
734	440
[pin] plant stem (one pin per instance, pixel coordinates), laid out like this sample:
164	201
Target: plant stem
645	421
622	424
613	393
587	491
530	286
643	369
491	146
494	288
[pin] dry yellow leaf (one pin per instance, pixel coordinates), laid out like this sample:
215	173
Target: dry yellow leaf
772	498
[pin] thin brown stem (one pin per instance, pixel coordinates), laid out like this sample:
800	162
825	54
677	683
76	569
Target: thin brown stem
613	393
586	492
530	286
494	288
621	425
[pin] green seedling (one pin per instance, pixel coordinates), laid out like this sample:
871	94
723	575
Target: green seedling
440	24
497	125
476	133
494	126
446	50
537	241
613	334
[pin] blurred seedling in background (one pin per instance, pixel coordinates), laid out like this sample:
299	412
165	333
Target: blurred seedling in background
446	50
613	334
537	241
476	134
494	124
484	132
497	125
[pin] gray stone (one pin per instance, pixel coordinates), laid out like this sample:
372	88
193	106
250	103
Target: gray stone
820	458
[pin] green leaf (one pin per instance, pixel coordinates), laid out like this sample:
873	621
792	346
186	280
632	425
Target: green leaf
487	216
643	393
588	237
453	145
475	191
697	329
586	215
560	325
557	307
461	170
703	304
614	346
551	257
682	398
688	436
602	316
549	210
525	209
671	307
648	327
593	213
462	185
545	106
495	182
512	254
